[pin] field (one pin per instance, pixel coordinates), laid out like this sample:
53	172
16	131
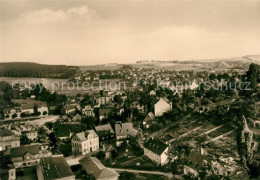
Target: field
100	67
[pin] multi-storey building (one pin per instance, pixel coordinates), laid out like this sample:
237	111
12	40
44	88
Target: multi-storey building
85	142
32	135
156	150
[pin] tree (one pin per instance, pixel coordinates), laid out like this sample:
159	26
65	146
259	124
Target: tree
35	110
172	163
53	140
89	121
100	155
127	176
14	116
24	139
118	99
65	148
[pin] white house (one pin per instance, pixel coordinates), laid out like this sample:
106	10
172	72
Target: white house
162	106
85	142
156	150
88	111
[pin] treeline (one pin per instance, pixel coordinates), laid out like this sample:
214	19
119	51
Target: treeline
28	69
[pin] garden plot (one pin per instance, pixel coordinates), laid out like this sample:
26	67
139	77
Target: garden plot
191	131
226	146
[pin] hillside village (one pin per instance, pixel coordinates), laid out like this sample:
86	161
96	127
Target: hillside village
153	129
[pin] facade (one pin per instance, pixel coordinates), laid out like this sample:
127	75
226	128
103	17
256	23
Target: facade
162	106
54	168
88	111
94	167
103	100
106	134
156	150
8	139
85	142
32	135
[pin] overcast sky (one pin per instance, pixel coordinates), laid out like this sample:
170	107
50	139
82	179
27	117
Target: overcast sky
82	33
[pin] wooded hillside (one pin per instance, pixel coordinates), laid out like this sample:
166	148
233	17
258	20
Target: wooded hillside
27	69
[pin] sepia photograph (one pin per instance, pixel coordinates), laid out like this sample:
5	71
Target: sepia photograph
129	90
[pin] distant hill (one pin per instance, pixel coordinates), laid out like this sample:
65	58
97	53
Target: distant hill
28	69
222	65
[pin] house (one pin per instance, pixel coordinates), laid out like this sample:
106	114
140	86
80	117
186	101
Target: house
54	168
77	78
162	106
194	86
88	111
77	117
156	150
95	168
124	131
189	170
87	78
32	134
197	160
107	149
152	93
106	133
104	112
148	120
137	105
28	108
96	78
85	142
8	139
69	108
26	156
9	113
103	100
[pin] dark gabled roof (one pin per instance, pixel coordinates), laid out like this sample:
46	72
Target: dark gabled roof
156	146
22	150
55	167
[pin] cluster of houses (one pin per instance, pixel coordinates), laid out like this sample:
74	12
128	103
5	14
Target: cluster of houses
26	107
